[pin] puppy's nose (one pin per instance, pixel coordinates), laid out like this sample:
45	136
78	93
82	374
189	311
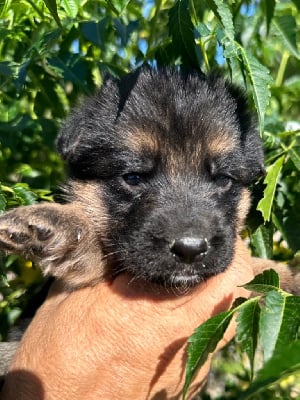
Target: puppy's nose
188	248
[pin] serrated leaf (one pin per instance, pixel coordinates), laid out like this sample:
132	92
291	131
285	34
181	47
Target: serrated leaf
260	80
290	323
265	204
276	368
262	241
247	328
287	28
279	323
52	7
204	341
182	32
265	282
223	13
71	7
294	154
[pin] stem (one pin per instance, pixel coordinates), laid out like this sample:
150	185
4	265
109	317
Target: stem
200	41
193	11
203	51
282	68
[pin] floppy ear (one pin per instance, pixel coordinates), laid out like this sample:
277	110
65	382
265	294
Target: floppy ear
85	139
251	144
90	126
88	121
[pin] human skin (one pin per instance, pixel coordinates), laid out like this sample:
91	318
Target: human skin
120	340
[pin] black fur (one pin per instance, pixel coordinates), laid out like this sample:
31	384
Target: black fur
180	188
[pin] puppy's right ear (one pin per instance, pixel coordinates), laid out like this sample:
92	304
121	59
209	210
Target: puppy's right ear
86	124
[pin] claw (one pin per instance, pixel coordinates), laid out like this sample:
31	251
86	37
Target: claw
18	237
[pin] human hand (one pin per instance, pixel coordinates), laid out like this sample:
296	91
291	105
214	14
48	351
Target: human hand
119	340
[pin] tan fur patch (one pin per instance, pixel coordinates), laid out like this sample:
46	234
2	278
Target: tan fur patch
140	141
183	161
174	165
221	143
243	208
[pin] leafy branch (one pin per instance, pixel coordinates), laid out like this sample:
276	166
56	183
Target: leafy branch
273	320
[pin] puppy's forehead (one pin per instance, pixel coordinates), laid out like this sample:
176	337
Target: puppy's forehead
180	120
180	151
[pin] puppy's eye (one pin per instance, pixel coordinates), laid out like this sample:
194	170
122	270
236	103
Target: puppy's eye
133	178
223	181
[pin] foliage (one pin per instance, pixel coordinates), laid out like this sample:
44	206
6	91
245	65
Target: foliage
275	323
53	51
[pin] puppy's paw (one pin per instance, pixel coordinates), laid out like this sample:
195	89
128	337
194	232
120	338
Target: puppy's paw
39	232
56	237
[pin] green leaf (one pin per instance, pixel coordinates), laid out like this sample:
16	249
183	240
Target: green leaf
279	322
297	4
71	7
291	223
287	28
276	368
73	69
3	7
3	201
264	282
204	341
203	29
269	6
265	204
182	32
260	80
290	323
52	7
8	69
247	328
262	241
124	30
24	195
22	75
294	154
223	13
95	31
117	6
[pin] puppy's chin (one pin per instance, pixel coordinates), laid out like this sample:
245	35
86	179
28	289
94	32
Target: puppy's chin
180	283
174	275
183	281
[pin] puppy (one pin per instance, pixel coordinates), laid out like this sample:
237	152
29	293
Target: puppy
159	165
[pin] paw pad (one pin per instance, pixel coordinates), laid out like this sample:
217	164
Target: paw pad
41	232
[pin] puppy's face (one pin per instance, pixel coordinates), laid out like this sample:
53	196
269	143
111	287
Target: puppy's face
167	157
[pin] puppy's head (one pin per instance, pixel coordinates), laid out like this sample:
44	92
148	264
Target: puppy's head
169	156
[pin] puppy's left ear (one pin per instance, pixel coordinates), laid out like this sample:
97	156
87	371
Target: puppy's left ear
251	143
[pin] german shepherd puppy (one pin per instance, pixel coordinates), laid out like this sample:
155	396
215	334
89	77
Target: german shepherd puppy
159	164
